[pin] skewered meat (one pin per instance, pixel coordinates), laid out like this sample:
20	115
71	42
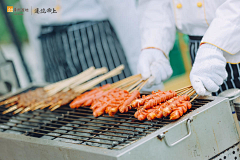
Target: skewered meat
181	108
116	100
159	98
87	98
126	105
107	101
178	105
170	105
139	102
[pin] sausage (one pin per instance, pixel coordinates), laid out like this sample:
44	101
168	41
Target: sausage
126	105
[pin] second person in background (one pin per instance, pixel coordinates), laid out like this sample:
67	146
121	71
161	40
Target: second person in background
84	33
212	25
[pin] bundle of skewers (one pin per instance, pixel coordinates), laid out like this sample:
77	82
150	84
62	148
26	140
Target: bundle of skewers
58	94
121	96
111	98
164	103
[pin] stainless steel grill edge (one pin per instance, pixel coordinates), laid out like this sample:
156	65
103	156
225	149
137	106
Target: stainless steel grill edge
212	131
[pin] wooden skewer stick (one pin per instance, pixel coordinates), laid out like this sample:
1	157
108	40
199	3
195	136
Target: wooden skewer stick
91	84
184	92
10	109
140	86
127	79
88	77
10	100
10	104
190	91
193	98
184	88
25	110
143	84
76	79
129	84
29	108
51	86
38	107
180	91
124	81
49	104
134	85
55	107
18	110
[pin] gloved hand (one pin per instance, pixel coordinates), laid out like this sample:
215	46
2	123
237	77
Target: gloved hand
152	62
208	71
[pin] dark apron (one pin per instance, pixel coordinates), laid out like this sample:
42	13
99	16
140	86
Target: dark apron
70	49
233	70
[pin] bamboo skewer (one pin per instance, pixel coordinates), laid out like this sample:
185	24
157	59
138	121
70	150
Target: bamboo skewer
10	104
10	109
124	81
94	74
181	93
143	84
134	85
127	85
139	87
47	105
184	88
18	110
7	101
87	71
91	84
38	107
81	78
65	86
194	98
55	107
108	75
191	93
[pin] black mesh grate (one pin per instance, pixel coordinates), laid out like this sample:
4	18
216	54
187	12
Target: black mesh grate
80	127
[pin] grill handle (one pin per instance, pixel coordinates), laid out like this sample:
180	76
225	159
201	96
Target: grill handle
163	136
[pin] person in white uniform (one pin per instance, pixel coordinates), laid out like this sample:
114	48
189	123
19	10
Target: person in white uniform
100	33
214	32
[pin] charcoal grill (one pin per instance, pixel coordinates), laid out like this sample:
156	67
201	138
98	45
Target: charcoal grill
204	132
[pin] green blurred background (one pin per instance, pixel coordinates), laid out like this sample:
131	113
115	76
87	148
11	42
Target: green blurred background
18	24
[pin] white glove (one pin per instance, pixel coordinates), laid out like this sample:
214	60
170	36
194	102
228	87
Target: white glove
208	71
152	62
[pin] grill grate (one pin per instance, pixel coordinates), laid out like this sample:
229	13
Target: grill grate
80	127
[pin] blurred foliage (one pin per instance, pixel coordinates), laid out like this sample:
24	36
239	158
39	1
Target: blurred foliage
176	59
17	21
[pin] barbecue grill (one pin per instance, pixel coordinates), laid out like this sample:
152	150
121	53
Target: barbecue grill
206	131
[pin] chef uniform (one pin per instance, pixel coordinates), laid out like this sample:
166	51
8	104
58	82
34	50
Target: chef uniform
83	34
213	25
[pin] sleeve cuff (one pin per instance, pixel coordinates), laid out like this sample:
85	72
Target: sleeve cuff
152	38
224	35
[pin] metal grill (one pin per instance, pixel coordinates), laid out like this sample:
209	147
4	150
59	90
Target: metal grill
80	127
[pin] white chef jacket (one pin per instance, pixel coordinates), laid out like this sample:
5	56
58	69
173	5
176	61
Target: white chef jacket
122	14
218	21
